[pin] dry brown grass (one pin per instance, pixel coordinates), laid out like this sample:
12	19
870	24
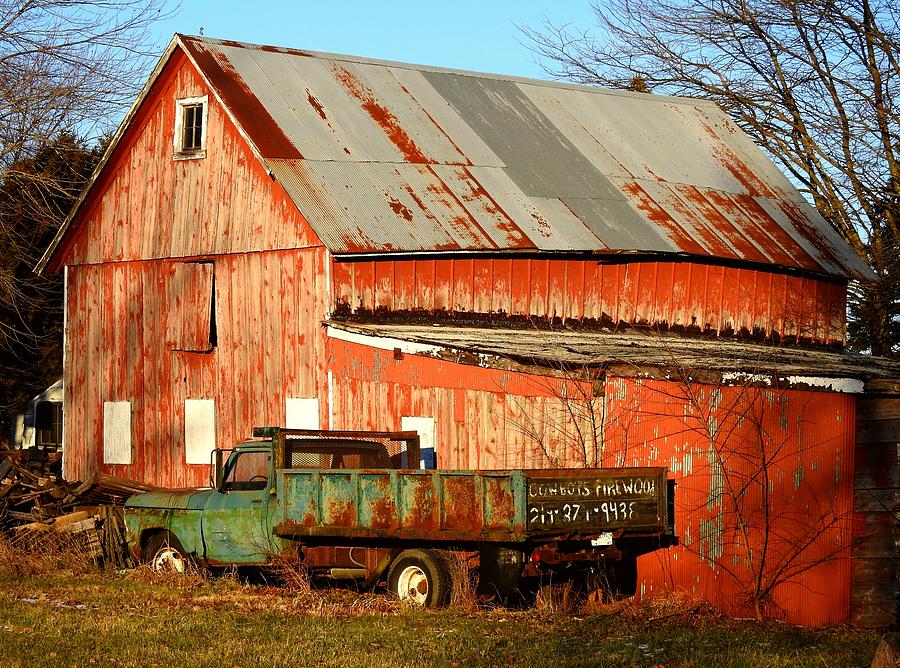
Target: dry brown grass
44	553
191	578
463	578
560	597
672	608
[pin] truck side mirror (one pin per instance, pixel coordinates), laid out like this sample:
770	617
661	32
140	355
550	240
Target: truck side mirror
215	474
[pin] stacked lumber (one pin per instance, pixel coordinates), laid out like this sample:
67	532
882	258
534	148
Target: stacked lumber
35	501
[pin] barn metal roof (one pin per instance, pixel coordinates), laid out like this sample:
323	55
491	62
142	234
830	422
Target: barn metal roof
390	157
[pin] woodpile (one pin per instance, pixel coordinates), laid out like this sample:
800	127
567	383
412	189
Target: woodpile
34	501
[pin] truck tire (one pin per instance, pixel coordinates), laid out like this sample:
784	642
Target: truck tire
164	554
420	577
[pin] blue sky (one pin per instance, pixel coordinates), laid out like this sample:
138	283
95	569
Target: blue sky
479	36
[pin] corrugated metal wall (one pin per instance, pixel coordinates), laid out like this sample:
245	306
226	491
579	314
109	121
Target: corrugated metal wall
665	294
720	442
118	348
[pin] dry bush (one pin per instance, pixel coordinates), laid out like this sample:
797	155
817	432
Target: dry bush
561	596
44	553
463	578
290	571
672	608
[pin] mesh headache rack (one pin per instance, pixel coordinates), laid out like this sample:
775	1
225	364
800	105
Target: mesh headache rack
322	449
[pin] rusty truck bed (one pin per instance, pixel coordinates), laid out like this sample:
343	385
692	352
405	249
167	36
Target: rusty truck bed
490	506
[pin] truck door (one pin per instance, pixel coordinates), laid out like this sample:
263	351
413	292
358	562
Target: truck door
238	517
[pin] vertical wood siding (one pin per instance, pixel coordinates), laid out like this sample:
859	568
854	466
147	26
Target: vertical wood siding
877	506
492	419
269	347
148	205
666	295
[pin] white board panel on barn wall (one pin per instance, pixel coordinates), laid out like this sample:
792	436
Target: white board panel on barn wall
301	413
199	430
116	432
424	427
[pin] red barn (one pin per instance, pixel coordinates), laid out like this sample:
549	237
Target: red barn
528	273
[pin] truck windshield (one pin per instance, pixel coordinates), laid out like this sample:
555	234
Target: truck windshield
247	471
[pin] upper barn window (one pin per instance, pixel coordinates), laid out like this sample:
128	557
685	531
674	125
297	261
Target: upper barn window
190	127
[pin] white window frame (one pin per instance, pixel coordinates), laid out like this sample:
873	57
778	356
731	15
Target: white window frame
180	152
117	432
199	430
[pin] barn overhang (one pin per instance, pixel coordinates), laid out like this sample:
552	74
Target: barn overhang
632	354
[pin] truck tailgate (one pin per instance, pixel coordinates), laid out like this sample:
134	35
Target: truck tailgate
597	500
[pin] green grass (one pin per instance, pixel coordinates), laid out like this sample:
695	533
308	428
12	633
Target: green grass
138	619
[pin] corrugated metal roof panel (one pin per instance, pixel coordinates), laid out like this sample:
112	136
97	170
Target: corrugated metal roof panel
532	164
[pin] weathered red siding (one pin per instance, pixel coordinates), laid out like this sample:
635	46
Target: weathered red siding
148	205
138	330
269	347
710	437
666	295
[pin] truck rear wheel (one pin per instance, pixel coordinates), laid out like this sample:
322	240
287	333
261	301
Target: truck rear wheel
420	577
164	554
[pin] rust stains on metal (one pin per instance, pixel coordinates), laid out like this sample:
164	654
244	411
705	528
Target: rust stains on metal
500	503
383	513
399	208
790	248
382	116
656	214
315	104
803	225
504	222
250	113
461	508
742	247
341	513
739	169
465	159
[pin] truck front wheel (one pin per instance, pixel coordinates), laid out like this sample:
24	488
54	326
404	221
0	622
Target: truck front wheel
420	577
164	554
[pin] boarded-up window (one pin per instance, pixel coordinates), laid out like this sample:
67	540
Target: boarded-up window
192	307
301	413
199	430
116	432
424	426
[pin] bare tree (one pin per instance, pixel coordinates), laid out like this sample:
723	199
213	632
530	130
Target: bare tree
68	71
69	66
813	82
753	502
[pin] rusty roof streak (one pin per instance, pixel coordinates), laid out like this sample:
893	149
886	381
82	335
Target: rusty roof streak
250	114
393	157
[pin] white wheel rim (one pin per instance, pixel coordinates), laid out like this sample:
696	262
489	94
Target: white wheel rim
168	560
412	585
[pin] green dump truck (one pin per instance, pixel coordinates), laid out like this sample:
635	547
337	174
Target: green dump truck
353	505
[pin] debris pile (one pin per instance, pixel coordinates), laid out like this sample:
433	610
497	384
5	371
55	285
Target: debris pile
35	500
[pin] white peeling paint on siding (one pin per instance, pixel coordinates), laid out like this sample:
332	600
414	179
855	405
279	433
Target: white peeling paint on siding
845	385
